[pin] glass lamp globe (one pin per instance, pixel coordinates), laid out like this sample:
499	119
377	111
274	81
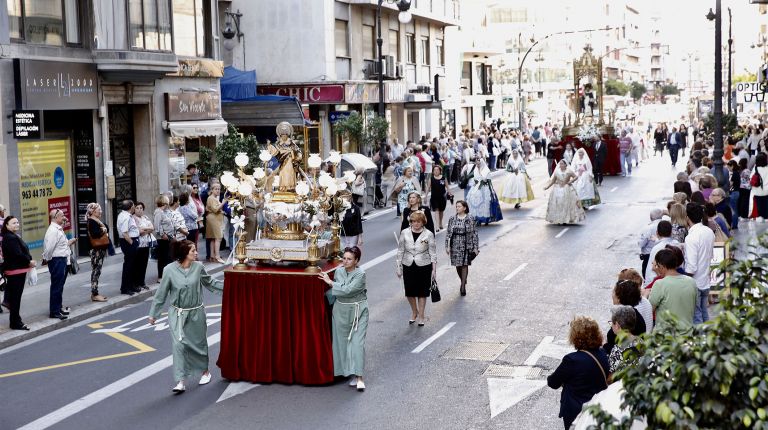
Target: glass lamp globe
325	180
404	17
265	156
349	176
241	159
331	189
259	173
245	189
314	161
335	157
302	188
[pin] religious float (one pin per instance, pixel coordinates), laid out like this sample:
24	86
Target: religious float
275	318
589	122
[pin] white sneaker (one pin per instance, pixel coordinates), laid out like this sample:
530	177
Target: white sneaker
760	219
360	385
179	388
206	378
353	381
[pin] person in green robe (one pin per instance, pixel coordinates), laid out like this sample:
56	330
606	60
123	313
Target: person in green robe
350	317
182	289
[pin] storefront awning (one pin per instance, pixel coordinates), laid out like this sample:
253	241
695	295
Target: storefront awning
214	127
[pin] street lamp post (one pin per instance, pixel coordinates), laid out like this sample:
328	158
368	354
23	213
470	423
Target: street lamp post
522	62
730	63
717	16
404	17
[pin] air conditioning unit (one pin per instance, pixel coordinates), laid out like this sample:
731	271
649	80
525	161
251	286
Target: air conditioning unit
390	70
400	71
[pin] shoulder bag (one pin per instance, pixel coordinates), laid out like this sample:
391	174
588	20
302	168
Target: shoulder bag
464	181
600	366
101	242
471	254
756	180
74	266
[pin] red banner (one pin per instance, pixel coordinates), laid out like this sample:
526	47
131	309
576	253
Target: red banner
320	94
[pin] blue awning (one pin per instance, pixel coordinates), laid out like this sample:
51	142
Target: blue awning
237	84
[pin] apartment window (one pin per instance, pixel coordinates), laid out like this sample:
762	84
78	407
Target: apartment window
44	22
394	44
440	52
149	24
424	49
410	48
341	39
369	42
190	20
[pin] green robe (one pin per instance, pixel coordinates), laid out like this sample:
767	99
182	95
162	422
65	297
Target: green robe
182	290
350	321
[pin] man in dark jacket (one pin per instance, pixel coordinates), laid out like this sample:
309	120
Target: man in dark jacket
601	152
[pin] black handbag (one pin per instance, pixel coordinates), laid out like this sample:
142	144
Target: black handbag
470	254
464	181
74	266
434	292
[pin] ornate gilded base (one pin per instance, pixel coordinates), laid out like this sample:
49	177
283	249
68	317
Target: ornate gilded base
285	250
285	197
293	232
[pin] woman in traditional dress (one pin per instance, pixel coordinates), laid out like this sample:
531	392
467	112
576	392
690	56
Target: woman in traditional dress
417	265
461	242
404	186
350	317
182	288
415	204
585	182
564	206
214	221
568	153
439	194
517	188
482	199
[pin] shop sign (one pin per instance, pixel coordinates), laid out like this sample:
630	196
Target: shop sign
45	184
362	93
50	85
751	92
199	68
85	184
192	106
395	91
338	115
26	124
321	94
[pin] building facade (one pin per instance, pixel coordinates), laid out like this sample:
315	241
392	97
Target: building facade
324	52
103	101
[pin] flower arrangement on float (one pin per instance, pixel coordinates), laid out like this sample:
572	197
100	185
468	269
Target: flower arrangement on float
588	135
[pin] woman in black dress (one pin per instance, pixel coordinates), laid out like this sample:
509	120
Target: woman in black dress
16	263
461	242
415	204
417	264
439	194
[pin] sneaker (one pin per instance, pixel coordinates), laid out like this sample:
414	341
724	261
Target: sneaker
353	381
179	388
65	310
360	385
206	378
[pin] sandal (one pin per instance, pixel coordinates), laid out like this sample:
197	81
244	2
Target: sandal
98	298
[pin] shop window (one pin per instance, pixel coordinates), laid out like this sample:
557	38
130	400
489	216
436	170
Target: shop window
440	52
149	24
44	22
190	23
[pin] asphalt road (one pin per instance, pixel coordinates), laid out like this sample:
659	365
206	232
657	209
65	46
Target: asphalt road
528	281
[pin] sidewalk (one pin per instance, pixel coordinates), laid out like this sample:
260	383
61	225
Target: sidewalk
77	295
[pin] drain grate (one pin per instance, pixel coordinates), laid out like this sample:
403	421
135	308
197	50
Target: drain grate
481	351
526	372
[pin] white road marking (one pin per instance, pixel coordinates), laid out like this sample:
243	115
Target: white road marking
378	214
559	235
505	393
515	272
379	259
614	189
547	348
433	338
110	390
235	389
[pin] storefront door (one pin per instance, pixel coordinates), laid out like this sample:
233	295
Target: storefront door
121	146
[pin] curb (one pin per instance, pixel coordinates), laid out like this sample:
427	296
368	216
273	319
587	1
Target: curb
80	313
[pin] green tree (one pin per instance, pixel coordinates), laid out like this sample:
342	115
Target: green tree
713	377
614	87
636	90
669	90
366	134
730	123
747	77
214	161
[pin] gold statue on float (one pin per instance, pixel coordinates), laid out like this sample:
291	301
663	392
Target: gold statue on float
289	155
